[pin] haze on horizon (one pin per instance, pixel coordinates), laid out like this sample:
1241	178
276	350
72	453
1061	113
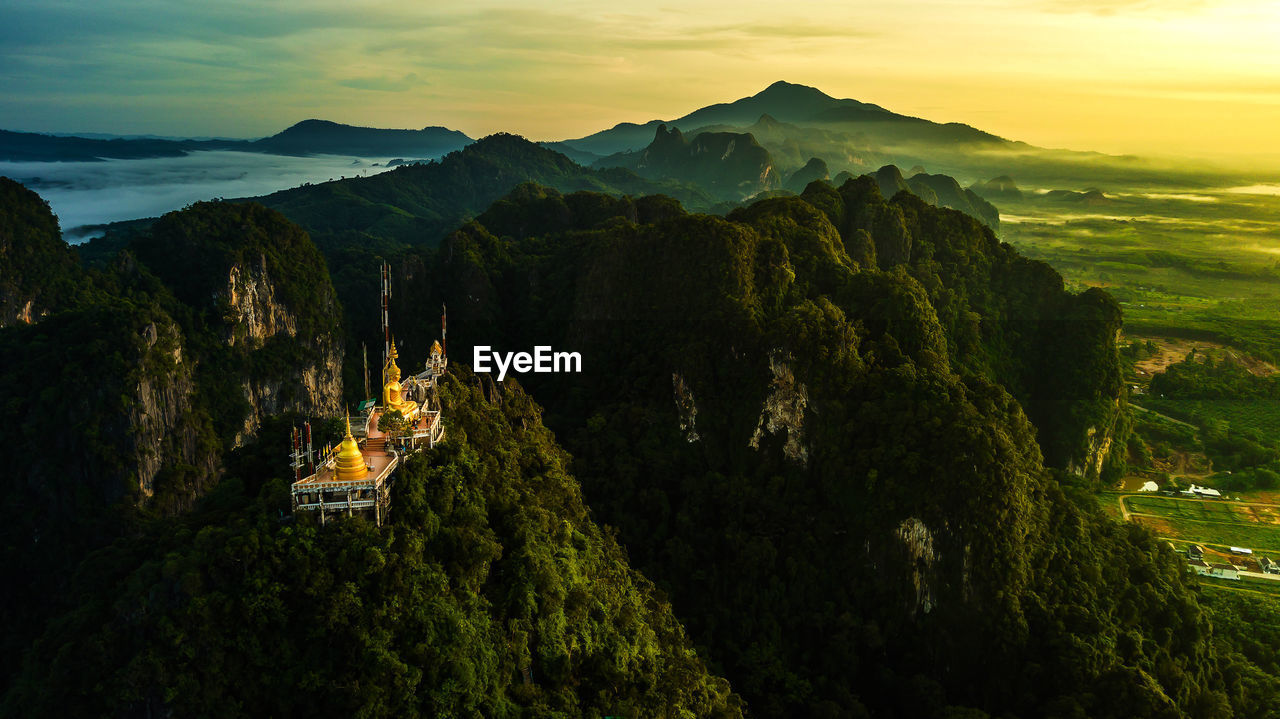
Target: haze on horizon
1196	78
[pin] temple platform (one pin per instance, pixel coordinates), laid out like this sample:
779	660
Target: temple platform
323	492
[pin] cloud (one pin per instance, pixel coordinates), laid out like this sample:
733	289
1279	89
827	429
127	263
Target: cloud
89	193
1127	7
408	81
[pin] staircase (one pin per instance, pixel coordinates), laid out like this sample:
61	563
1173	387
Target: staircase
376	445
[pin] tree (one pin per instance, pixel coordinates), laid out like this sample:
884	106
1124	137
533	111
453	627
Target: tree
392	423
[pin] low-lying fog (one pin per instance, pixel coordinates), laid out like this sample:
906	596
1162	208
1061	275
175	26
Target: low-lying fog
94	193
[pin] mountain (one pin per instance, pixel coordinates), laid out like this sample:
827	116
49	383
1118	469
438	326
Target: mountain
830	455
797	105
582	157
939	190
491	592
1002	187
795	122
728	165
256	295
949	193
419	204
814	169
793	145
38	147
317	137
152	367
622	137
783	101
309	137
848	435
38	272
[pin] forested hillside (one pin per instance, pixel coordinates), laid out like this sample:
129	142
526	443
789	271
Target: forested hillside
852	441
843	433
123	395
491	593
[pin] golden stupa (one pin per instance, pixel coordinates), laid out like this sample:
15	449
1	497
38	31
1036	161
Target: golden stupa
392	394
349	466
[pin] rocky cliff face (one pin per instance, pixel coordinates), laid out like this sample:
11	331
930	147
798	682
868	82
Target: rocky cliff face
783	411
252	298
166	425
729	164
314	389
261	324
267	320
1098	442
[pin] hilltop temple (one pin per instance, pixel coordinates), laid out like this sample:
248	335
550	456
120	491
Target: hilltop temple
356	476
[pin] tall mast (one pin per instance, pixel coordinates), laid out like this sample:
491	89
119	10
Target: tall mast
444	330
297	455
365	349
386	312
311	456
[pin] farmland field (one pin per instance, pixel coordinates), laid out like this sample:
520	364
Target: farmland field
1195	263
1209	522
1260	415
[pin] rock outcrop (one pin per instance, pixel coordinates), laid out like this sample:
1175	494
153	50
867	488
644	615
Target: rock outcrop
165	421
731	165
783	411
267	316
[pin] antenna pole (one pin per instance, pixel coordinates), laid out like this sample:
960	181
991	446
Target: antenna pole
365	349
311	460
297	456
386	311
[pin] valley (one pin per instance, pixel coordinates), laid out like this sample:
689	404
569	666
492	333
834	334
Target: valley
842	438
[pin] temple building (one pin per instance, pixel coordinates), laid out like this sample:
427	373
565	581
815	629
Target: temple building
349	480
356	477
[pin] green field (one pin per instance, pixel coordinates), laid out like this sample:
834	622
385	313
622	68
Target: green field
1210	522
1200	263
1259	415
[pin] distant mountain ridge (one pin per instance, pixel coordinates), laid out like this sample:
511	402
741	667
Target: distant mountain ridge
788	103
309	137
325	137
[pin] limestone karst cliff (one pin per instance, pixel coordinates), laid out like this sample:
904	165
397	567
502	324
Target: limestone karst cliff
262	310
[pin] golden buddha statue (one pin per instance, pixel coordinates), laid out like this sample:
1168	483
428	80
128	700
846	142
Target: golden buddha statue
349	466
392	394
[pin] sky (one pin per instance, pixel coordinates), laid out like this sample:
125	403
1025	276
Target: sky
1198	78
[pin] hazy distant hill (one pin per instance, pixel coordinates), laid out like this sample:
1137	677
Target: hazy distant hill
729	165
619	138
314	137
419	204
788	103
38	147
784	101
309	137
795	122
792	146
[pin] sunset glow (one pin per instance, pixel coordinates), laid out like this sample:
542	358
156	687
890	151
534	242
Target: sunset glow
1192	77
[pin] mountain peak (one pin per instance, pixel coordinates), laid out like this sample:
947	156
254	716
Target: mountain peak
782	90
767	121
311	125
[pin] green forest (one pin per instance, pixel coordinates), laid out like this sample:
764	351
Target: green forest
834	454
